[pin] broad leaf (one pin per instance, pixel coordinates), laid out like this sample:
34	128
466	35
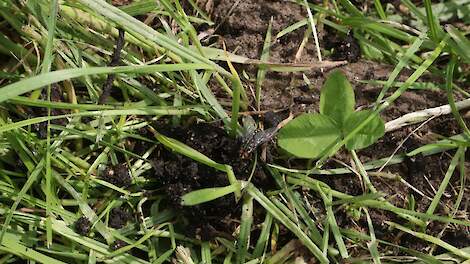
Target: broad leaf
308	135
337	98
366	136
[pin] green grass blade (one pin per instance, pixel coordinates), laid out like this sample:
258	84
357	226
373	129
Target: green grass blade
402	63
425	217
325	239
414	10
21	100
380	9
262	70
296	201
206	253
351	8
450	171
461	42
372	245
159	111
84	207
32	83
283	255
280	216
291	28
431	239
237	91
31	179
46	67
450	95
263	238
206	195
140	7
137	27
209	97
330	217
245	229
12	244
431	20
201	12
48	55
187	151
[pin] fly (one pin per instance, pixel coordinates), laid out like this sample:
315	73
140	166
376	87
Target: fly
255	137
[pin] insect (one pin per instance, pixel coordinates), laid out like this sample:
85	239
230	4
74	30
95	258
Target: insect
253	137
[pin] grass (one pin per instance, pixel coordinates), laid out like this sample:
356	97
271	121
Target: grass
49	181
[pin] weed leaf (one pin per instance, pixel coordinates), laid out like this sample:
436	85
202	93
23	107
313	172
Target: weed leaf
337	98
308	135
368	135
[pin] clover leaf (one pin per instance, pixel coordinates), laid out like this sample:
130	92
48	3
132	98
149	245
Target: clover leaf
309	135
337	98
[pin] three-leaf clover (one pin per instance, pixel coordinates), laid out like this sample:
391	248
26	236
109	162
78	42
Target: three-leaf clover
309	135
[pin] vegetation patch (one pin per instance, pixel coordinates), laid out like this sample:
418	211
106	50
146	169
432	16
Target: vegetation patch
221	131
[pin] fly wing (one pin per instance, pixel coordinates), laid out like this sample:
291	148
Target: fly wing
256	140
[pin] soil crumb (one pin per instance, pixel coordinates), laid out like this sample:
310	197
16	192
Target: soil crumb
118	217
117	175
82	226
346	48
118	244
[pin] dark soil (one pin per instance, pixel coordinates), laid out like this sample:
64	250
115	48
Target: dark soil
117	175
82	226
344	48
118	244
57	95
118	217
178	175
115	61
